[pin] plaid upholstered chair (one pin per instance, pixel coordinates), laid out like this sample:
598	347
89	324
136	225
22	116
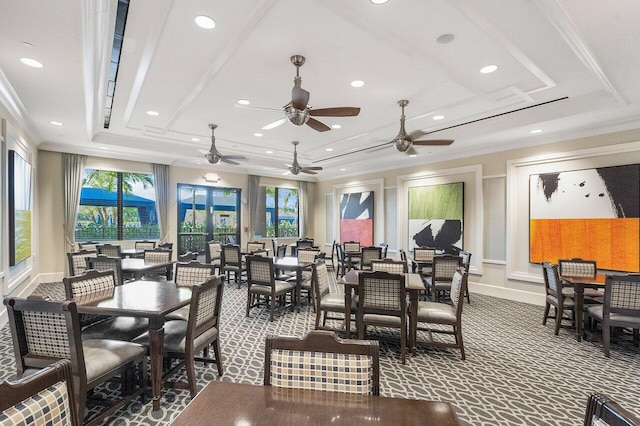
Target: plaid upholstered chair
442	270
94	284
145	245
78	261
187	275
389	265
422	259
44	332
185	340
166	246
307	255
445	314
325	301
603	411
111	250
352	246
555	296
231	261
88	245
212	253
102	262
45	397
367	254
382	301
621	308
253	246
322	361
577	267
263	288
188	256
158	255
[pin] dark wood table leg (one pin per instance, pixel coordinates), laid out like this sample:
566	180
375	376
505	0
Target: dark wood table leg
347	308
156	346
298	288
579	311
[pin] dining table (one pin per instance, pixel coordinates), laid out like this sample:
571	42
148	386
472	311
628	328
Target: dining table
245	404
290	263
142	299
131	252
413	284
138	267
579	285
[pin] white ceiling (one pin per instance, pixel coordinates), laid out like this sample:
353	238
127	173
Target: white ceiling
586	50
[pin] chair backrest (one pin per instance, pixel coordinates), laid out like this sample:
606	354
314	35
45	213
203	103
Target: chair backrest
444	266
194	272
111	250
187	257
622	296
231	255
459	284
322	361
145	245
307	254
385	247
367	254
90	283
274	244
231	239
466	259
157	255
168	246
204	311
351	246
255	246
602	411
424	254
105	263
340	253
403	256
381	293
552	283
212	251
389	265
45	397
320	280
88	245
304	243
260	271
577	267
281	251
78	262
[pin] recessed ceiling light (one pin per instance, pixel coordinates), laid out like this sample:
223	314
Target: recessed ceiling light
329	149
205	22
269	152
55	123
258	135
378	1
195	139
536	131
445	38
243	101
488	69
412	155
343	170
27	44
438	117
31	63
336	126
104	147
153	113
357	83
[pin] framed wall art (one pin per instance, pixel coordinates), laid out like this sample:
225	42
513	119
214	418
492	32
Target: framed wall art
19	208
356	217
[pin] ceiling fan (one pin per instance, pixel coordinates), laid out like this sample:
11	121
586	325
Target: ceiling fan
404	142
295	167
298	112
215	157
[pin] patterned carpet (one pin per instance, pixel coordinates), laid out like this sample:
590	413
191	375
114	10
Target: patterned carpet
516	372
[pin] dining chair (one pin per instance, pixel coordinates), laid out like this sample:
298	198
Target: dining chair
367	254
166	246
304	242
231	261
188	256
111	250
465	257
188	274
382	301
106	263
306	255
212	253
442	269
404	258
281	251
158	255
556	297
389	265
78	261
263	289
322	361
145	245
342	263
384	247
423	259
274	244
253	246
577	267
44	332
94	284
603	411
184	340
88	245
331	260
444	315
42	398
325	301
351	246
621	308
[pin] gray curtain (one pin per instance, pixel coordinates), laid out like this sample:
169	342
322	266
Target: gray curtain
303	208
73	170
254	190
161	179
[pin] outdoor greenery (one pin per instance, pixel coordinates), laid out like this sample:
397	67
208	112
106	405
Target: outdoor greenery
285	213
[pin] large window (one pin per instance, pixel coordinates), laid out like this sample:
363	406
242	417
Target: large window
117	206
280	212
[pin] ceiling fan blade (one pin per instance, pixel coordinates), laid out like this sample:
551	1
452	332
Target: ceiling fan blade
226	160
312	168
234	157
434	142
316	125
417	134
309	172
299	98
274	124
335	112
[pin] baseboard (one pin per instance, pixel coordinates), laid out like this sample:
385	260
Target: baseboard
4	317
508	293
26	289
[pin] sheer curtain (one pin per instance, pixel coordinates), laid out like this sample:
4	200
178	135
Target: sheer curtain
254	190
161	179
73	170
302	207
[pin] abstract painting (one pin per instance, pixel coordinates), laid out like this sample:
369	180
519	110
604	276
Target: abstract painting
19	208
593	214
436	216
356	218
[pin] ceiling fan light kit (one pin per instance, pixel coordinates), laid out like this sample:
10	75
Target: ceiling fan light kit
295	167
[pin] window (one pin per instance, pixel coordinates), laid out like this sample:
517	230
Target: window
281	221
117	206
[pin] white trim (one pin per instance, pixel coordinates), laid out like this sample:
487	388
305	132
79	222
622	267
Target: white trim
498	176
494	262
507	293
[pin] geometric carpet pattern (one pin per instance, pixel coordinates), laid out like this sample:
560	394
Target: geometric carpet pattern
516	372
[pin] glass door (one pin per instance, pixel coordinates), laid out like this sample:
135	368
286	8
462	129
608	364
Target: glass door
207	213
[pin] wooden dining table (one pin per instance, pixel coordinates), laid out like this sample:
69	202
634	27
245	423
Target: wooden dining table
226	403
131	252
142	299
138	267
413	284
579	284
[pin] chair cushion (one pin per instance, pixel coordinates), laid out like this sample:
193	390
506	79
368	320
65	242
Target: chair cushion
596	311
380	319
102	356
179	314
438	313
175	337
50	406
116	328
281	287
568	303
442	285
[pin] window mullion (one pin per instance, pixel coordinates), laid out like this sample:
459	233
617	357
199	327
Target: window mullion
119	206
